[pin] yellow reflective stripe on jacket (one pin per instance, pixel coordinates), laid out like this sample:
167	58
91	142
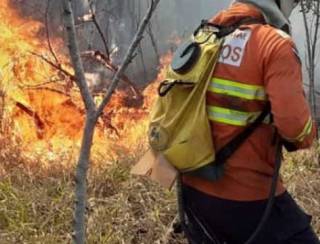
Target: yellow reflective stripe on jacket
231	117
236	89
305	132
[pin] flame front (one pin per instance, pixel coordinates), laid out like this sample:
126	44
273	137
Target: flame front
40	105
40	110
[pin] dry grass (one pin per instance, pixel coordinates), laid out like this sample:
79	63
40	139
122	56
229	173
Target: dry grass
36	203
301	172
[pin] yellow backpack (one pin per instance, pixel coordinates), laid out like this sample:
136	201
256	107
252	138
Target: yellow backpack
179	126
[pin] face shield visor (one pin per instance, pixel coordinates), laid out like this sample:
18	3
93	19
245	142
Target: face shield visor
287	6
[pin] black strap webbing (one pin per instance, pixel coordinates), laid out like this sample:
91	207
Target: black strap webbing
226	30
272	193
227	151
215	170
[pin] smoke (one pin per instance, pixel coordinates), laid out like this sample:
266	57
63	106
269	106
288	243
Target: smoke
119	19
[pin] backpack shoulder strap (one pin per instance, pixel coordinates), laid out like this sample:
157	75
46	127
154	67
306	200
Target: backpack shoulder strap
226	30
223	31
214	170
237	141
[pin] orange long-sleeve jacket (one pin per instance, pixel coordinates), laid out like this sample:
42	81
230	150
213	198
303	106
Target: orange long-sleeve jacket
258	63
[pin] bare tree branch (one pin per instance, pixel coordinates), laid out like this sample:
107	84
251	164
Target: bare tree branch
97	25
37	120
153	42
128	57
75	57
316	29
317	92
106	62
48	33
56	66
92	114
310	7
43	84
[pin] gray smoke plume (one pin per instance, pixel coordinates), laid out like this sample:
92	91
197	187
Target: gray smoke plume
119	19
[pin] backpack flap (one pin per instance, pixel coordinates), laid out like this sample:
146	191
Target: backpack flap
194	59
185	57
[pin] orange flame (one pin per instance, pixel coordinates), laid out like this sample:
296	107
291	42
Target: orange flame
45	114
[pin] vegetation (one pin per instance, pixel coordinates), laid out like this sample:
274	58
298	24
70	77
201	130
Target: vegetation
36	198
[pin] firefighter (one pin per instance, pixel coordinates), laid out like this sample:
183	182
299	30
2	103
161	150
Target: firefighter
258	64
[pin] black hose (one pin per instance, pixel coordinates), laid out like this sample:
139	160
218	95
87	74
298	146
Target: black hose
272	195
266	214
182	216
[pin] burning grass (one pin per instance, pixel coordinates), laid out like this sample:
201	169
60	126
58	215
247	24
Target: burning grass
36	203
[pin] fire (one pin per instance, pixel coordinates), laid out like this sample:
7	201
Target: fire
34	101
42	107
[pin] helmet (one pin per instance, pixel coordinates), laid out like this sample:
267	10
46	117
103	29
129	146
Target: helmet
276	12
